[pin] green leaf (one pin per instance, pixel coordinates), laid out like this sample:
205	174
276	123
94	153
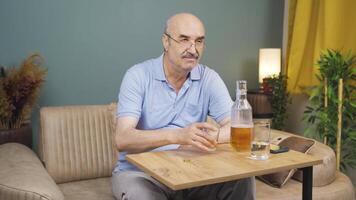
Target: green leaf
352	135
314	92
353	104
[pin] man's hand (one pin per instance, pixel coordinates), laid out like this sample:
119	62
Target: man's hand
200	135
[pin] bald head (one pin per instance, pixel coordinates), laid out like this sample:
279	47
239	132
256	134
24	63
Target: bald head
183	43
182	22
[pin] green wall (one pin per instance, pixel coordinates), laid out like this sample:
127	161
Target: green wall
89	44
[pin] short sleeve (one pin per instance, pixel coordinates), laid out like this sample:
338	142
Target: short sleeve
131	94
219	98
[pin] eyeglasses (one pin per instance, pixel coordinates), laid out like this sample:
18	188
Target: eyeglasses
187	44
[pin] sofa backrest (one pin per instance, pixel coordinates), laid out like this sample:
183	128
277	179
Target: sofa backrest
75	142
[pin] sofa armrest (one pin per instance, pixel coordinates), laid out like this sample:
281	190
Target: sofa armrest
23	177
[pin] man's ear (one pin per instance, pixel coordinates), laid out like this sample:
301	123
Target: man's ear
165	42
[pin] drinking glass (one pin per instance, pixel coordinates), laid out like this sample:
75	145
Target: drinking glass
260	141
214	135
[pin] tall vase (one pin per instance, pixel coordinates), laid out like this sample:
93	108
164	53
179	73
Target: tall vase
21	135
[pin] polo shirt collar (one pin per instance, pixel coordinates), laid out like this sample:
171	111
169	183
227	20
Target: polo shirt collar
159	70
195	73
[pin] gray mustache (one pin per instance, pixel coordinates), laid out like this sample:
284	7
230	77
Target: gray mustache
190	55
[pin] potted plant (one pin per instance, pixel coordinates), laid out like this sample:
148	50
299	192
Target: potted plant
19	91
322	115
279	99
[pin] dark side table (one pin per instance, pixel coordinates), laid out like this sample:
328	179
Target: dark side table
260	103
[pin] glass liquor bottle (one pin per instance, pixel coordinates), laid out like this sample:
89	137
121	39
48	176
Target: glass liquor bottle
241	119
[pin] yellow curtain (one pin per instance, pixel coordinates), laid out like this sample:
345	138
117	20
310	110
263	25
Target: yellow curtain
313	26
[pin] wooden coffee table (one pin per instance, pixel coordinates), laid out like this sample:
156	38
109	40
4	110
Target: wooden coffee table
181	169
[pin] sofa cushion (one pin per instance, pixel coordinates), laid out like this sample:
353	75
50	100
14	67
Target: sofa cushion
341	188
100	188
323	174
297	144
93	189
294	143
76	142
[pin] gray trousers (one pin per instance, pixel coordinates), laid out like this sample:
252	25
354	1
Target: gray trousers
133	185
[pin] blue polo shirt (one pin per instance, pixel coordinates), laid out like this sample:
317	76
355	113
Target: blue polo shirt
146	95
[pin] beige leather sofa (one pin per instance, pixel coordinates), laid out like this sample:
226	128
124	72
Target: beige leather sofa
77	154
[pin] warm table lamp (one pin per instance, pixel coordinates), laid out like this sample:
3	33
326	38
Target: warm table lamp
269	64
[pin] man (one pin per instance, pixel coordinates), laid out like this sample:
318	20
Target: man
163	104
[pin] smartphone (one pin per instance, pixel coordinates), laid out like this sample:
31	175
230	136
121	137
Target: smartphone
279	149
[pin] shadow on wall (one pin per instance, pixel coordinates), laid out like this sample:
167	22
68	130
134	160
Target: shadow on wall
247	72
295	112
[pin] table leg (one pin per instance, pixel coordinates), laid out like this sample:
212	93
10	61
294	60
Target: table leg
307	183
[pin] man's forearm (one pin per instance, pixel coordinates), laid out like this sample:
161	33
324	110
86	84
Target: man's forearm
136	141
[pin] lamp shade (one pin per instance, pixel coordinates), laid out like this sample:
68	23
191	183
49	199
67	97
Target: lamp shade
269	63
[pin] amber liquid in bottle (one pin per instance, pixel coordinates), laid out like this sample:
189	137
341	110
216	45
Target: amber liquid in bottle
241	120
241	138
